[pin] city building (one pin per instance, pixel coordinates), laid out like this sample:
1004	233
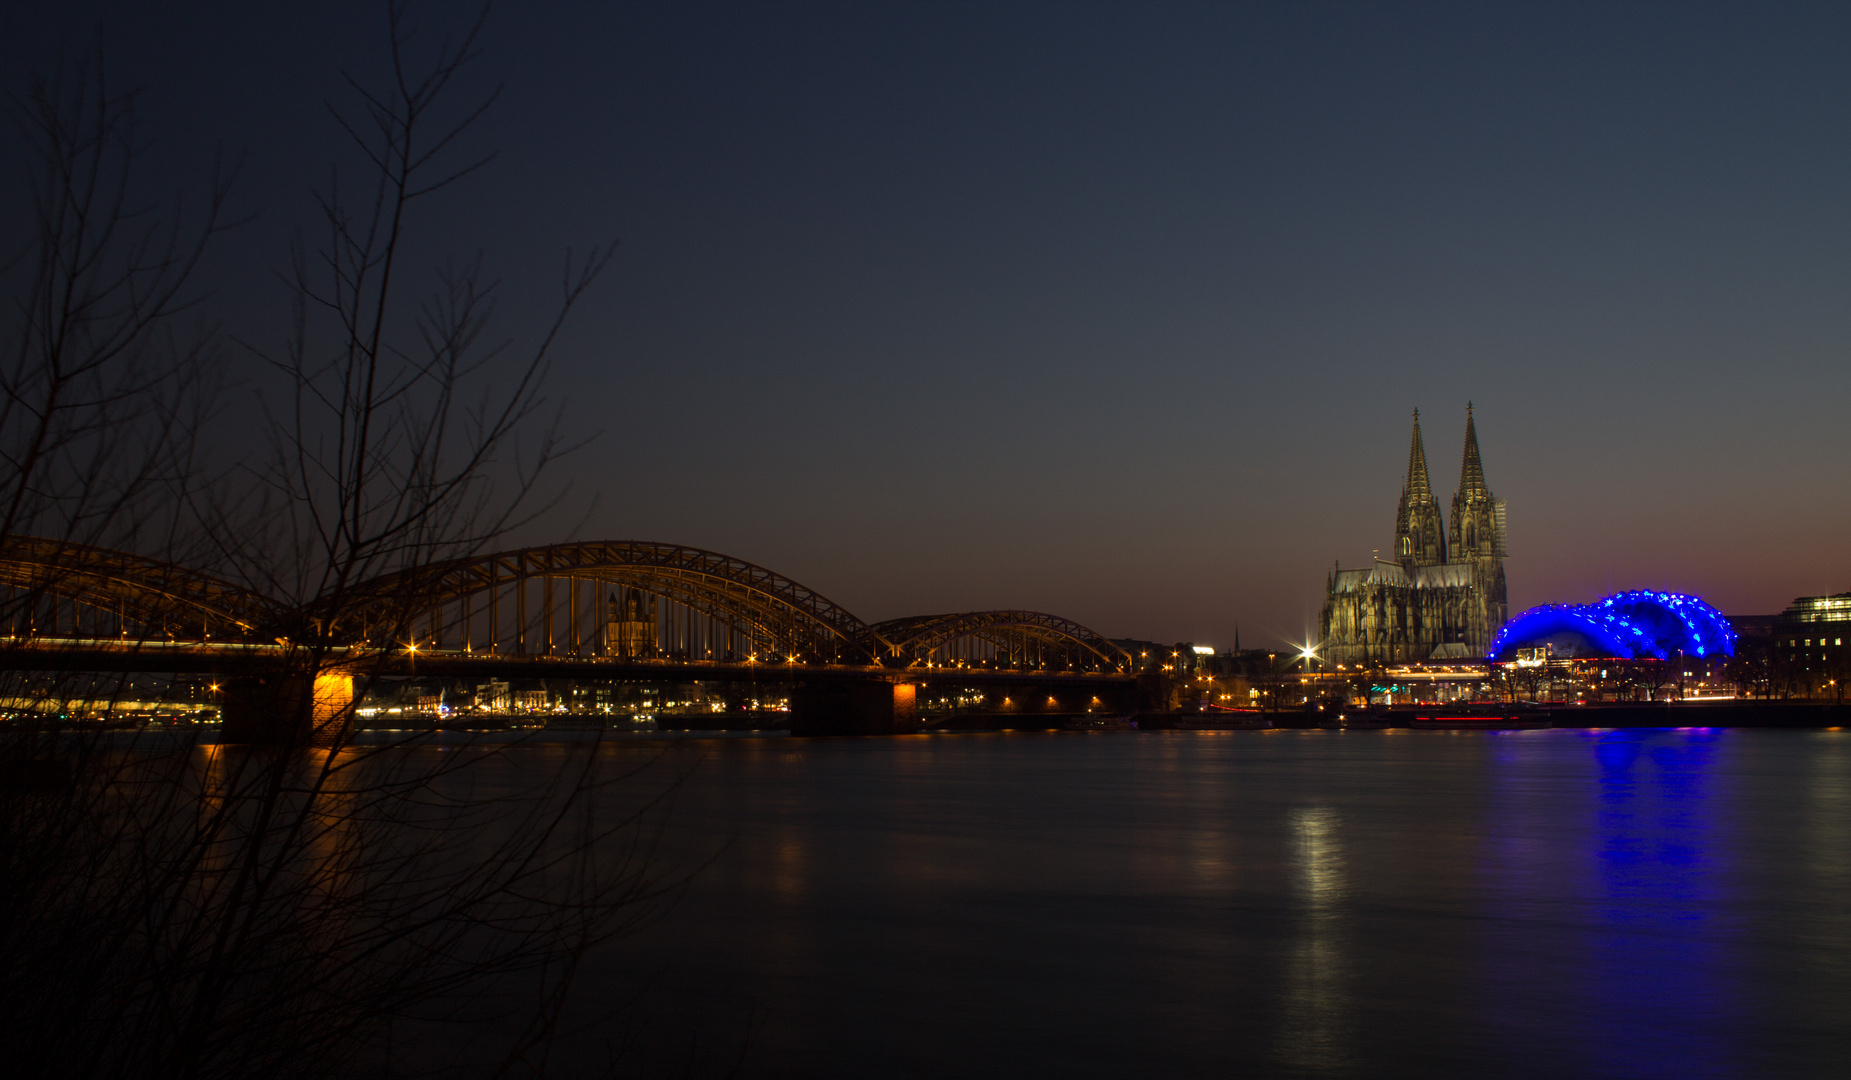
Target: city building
1809	655
1442	596
1814	624
531	698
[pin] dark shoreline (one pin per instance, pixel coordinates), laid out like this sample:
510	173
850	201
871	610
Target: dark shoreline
1693	714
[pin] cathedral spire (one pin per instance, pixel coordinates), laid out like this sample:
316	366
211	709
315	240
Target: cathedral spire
1417	486
1472	473
1478	517
1420	539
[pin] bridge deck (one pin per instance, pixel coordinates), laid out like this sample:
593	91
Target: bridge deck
225	658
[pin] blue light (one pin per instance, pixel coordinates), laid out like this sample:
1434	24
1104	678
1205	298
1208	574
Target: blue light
1630	625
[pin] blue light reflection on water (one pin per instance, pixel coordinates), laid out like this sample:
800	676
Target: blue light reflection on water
1654	975
1665	903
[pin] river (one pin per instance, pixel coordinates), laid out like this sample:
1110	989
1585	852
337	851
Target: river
1642	903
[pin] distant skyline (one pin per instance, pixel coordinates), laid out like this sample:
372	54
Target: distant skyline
1120	311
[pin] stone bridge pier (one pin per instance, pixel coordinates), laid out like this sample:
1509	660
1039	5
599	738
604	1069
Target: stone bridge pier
854	707
288	708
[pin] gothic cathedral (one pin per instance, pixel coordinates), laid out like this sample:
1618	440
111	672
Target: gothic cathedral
1442	596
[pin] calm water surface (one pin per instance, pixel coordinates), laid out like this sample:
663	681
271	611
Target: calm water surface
1542	903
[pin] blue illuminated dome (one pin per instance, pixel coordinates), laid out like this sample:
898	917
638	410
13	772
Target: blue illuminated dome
1636	625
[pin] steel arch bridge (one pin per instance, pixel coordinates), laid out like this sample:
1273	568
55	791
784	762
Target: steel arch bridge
1014	639
719	608
634	603
106	593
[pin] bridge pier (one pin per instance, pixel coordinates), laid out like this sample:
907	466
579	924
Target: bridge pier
845	707
288	709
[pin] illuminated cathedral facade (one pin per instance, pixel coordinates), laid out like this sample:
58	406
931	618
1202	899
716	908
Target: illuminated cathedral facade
1442	596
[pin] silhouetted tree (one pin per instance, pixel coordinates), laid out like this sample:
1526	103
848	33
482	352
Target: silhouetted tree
312	906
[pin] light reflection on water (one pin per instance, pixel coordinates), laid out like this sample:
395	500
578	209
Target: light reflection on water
1654	965
1545	903
1315	1016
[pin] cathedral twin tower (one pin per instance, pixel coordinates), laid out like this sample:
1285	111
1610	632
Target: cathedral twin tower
1442	596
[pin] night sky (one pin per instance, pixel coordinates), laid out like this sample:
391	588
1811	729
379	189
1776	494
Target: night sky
1121	311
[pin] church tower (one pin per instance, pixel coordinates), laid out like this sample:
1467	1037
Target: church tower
1420	539
1478	541
630	625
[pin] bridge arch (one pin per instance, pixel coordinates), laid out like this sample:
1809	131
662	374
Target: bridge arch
119	594
1006	638
669	601
558	600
